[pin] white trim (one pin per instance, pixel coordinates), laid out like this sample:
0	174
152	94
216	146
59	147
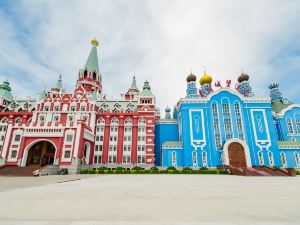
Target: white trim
200	143
246	151
27	148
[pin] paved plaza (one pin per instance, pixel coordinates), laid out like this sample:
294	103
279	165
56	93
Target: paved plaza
149	199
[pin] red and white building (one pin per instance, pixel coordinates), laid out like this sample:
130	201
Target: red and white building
81	127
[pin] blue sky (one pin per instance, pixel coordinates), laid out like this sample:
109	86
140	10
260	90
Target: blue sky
161	41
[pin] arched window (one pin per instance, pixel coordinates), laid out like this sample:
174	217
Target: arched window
289	125
216	125
4	120
114	121
239	123
18	120
142	121
204	159
297	120
271	158
260	158
227	119
85	74
174	160
297	159
195	160
94	76
101	121
283	159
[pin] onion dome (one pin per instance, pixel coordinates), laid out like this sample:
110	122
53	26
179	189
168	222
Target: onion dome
167	109
95	42
205	79
243	77
191	78
273	85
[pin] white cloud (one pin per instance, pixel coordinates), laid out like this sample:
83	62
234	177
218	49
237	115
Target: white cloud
160	41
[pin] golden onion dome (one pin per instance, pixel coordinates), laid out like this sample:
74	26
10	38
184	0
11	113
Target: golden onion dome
95	42
205	79
243	77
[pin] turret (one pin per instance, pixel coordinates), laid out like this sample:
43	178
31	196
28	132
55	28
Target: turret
243	85
168	114
133	91
191	91
205	82
89	77
5	94
275	93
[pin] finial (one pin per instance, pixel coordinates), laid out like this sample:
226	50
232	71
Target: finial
204	70
95	42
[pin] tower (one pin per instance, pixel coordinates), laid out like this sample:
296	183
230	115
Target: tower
168	115
244	86
205	83
191	91
89	77
133	91
275	92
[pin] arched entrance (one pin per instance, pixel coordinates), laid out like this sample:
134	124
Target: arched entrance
236	153
40	154
86	153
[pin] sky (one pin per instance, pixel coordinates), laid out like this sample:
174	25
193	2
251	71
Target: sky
158	41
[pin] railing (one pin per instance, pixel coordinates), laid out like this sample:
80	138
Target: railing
43	132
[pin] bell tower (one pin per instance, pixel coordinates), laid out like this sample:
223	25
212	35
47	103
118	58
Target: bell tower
89	77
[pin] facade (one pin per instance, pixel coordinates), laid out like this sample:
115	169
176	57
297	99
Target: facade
80	127
229	126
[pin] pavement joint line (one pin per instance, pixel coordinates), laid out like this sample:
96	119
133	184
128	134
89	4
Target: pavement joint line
64	181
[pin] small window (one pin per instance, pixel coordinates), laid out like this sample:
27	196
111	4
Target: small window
67	154
85	74
13	154
69	137
56	108
56	118
42	118
94	76
17	138
73	108
83	108
47	108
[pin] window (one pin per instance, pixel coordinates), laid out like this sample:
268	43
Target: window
85	74
195	161
289	125
174	160
228	136
298	125
218	140
227	124
126	159
67	154
94	76
112	159
13	154
225	108
237	109
215	109
83	108
2	138
283	159
297	159
271	159
42	119
204	159
17	138
69	137
141	159
73	108
260	158
47	108
56	118
71	119
56	108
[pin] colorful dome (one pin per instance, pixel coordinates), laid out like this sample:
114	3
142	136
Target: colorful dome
273	85
243	77
206	79
95	42
191	78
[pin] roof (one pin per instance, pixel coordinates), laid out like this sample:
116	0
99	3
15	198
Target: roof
92	61
146	89
119	105
278	105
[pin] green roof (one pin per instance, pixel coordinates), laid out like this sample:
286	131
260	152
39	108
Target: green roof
146	89
278	105
59	83
133	85
92	61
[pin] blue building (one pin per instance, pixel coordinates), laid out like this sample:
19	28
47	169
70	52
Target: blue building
229	126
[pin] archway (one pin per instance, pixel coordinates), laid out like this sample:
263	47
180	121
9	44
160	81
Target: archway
236	153
86	152
39	153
